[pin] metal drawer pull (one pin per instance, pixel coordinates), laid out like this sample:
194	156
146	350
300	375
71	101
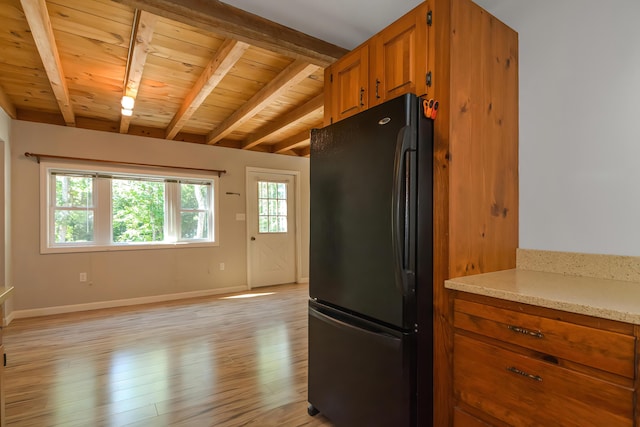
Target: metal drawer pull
536	334
523	373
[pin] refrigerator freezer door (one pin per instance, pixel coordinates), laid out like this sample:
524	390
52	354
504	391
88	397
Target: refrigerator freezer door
362	182
360	374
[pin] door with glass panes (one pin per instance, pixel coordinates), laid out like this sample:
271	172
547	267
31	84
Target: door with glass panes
271	228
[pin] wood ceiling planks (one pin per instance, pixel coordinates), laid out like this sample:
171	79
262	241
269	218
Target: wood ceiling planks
207	79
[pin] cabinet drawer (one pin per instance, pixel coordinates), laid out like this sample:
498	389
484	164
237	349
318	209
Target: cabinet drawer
609	351
462	419
520	390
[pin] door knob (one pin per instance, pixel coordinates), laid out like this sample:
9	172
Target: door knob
253	238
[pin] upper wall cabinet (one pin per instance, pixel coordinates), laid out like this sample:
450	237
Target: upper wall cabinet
390	64
399	57
347	91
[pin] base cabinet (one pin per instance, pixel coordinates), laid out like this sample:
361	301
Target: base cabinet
519	365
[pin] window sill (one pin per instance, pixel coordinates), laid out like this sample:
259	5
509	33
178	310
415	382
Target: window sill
126	247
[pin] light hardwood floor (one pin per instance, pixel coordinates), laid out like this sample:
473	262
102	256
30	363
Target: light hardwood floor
212	361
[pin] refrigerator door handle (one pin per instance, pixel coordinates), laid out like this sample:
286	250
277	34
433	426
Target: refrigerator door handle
399	214
368	328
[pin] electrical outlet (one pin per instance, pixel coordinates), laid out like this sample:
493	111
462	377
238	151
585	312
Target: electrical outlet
222	266
83	277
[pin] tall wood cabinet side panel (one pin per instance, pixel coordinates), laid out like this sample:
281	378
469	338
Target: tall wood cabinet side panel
442	303
636	386
484	142
2	356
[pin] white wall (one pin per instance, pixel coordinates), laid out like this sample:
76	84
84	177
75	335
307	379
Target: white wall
5	207
53	280
579	123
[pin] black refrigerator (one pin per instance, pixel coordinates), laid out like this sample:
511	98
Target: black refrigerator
371	268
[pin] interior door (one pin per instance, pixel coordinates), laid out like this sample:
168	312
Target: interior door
271	228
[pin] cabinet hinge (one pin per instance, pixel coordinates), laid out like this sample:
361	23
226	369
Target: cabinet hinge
429	18
4	361
429	79
331	78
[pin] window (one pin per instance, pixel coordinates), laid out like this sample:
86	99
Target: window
122	208
272	207
73	210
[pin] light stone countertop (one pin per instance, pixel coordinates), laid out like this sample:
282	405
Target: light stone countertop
604	298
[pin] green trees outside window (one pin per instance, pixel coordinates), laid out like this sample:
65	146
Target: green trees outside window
138	211
73	216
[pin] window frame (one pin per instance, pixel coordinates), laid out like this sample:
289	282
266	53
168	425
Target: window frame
102	200
278	200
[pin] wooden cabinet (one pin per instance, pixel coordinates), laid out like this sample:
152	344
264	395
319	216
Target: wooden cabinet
390	64
4	295
471	61
2	359
399	57
515	364
2	398
347	90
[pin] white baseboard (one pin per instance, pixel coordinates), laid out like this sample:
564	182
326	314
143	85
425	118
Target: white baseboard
8	319
47	311
303	280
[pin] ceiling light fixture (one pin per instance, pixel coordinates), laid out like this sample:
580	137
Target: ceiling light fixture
126	112
127	102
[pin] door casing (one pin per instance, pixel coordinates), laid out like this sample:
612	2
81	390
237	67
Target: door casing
251	216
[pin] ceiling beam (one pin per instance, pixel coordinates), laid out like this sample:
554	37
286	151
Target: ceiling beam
7	105
38	18
292	142
231	22
143	27
289	77
226	57
304	152
294	116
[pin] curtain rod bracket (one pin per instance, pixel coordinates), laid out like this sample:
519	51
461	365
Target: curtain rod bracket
33	155
219	172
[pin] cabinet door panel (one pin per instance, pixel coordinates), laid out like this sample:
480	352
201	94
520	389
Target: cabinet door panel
520	390
348	80
400	58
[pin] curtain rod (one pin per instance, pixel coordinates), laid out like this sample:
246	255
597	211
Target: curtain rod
50	156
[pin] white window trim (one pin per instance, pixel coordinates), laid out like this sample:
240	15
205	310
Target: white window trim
45	217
